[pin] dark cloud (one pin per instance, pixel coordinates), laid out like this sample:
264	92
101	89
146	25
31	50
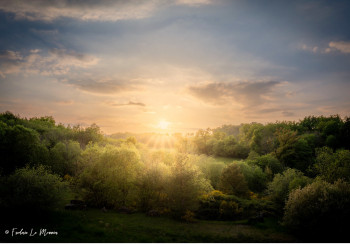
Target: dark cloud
10	55
247	93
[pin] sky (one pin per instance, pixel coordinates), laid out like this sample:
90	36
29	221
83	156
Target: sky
174	65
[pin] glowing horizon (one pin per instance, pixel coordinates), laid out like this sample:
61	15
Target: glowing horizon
174	66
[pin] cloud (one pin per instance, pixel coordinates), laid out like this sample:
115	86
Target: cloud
343	47
65	102
246	93
54	62
108	10
88	10
130	103
194	2
288	113
10	55
103	86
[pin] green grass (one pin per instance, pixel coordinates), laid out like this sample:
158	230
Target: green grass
95	226
227	160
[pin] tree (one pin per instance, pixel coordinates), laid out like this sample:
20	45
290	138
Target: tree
109	178
185	185
232	181
284	183
64	157
210	167
293	151
89	134
268	163
20	146
254	176
150	185
201	139
320	210
34	189
332	166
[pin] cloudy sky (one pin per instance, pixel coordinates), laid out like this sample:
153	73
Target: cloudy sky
174	65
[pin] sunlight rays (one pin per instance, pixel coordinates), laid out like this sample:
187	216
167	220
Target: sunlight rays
161	141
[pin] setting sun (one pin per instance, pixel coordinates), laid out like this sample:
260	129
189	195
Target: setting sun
163	124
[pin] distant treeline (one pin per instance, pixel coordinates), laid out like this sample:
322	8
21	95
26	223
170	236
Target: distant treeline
293	143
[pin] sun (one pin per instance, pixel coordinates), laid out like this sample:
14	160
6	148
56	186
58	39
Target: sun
163	124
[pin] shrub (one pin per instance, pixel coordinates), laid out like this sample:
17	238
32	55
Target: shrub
320	210
219	206
255	177
188	217
150	186
210	167
108	179
34	189
232	181
332	166
282	184
268	162
229	210
185	185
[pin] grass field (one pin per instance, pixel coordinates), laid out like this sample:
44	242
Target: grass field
226	160
96	226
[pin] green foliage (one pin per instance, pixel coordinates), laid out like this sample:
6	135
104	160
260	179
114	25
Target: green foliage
219	206
284	183
87	135
210	167
150	186
229	210
19	146
201	141
109	175
332	166
232	181
268	163
319	209
345	134
64	157
293	151
254	176
34	189
186	183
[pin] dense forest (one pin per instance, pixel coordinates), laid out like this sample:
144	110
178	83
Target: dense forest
296	173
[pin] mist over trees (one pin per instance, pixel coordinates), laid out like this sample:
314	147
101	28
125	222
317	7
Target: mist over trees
295	172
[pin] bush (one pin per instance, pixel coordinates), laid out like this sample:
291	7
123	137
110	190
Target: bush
185	185
150	186
109	178
210	167
218	206
64	157
332	166
255	177
34	189
282	184
319	210
232	181
19	146
268	163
